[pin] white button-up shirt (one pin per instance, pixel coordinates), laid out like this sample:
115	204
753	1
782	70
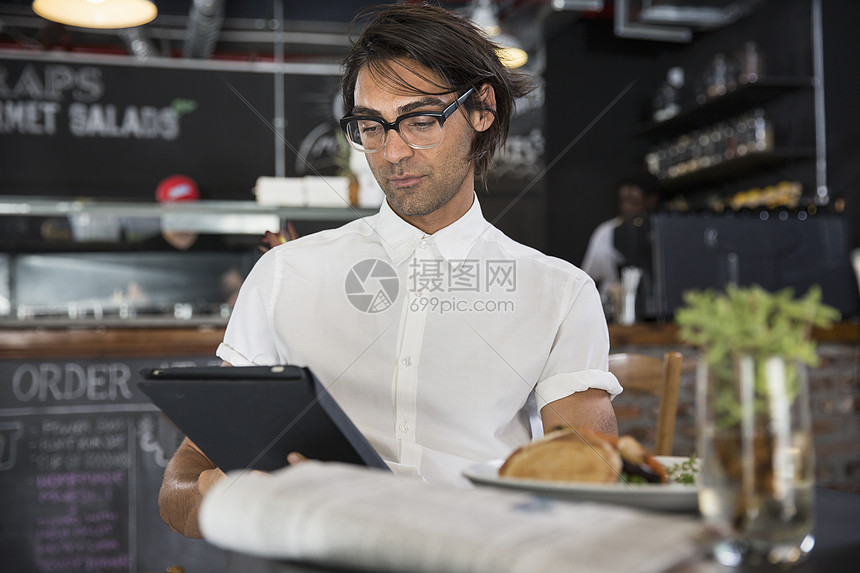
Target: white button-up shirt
441	348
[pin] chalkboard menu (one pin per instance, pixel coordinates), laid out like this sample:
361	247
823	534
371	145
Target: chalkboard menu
81	125
82	454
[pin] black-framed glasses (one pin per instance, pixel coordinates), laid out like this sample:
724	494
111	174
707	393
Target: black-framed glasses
419	129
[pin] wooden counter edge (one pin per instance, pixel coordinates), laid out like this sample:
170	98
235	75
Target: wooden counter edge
18	344
666	334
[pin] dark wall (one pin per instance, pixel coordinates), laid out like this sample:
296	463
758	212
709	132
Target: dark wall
842	92
515	198
587	68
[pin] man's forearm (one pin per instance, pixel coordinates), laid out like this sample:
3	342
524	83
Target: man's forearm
179	498
590	409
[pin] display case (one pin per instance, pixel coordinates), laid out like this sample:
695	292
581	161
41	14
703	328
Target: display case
89	262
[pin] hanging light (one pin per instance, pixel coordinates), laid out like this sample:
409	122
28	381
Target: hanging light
510	53
485	15
97	13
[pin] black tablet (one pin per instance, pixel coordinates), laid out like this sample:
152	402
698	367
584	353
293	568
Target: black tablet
252	417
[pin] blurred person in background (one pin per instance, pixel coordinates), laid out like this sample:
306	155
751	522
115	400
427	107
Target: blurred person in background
623	240
179	189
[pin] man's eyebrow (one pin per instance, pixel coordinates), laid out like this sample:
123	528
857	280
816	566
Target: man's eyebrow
406	108
423	102
360	110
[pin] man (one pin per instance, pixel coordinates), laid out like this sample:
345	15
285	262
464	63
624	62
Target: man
439	336
637	195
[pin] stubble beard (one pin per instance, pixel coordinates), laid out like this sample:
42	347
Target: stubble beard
433	192
419	200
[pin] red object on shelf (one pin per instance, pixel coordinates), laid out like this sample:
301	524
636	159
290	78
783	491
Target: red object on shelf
177	188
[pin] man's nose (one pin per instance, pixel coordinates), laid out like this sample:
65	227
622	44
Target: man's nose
396	148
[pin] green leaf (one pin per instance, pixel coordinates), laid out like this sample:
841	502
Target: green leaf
752	321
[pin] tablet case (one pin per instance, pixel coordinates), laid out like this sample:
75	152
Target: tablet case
251	417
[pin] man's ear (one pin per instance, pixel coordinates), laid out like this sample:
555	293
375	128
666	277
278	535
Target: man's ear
484	117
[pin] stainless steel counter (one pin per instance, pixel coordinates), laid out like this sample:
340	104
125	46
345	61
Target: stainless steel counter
227	217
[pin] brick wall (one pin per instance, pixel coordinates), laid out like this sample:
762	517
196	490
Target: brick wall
835	402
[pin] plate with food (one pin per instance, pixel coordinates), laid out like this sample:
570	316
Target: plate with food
589	466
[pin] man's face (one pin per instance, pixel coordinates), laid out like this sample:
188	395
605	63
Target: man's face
632	201
417	182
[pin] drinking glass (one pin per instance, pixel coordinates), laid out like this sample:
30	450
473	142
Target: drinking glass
757	492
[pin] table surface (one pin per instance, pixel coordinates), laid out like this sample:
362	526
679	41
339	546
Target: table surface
837	546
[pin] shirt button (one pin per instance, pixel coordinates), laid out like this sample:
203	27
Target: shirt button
423	245
404	427
407	361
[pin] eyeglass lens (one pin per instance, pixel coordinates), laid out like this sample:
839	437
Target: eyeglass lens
420	131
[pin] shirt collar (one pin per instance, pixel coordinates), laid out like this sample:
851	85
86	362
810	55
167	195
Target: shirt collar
400	239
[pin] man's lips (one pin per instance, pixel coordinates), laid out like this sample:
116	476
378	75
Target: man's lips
405	180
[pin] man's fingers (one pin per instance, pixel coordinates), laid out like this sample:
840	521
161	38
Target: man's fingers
294	458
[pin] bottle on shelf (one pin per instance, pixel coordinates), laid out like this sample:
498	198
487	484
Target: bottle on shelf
762	131
708	148
719	76
729	136
666	102
755	133
751	63
711	145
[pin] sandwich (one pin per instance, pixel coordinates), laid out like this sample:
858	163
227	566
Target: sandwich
584	456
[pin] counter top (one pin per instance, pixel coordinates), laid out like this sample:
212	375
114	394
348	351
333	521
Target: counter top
28	206
81	341
71	342
666	334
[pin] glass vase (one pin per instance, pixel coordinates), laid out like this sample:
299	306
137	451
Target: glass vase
757	492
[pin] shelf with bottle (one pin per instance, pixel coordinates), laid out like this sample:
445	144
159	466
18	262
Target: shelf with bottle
720	151
731	83
746	95
741	165
780	200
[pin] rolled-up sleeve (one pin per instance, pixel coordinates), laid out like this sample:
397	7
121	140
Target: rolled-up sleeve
579	358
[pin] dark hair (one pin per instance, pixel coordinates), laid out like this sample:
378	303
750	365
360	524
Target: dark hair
451	47
642	179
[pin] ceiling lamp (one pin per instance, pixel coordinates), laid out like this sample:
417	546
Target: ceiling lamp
97	13
485	15
510	52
